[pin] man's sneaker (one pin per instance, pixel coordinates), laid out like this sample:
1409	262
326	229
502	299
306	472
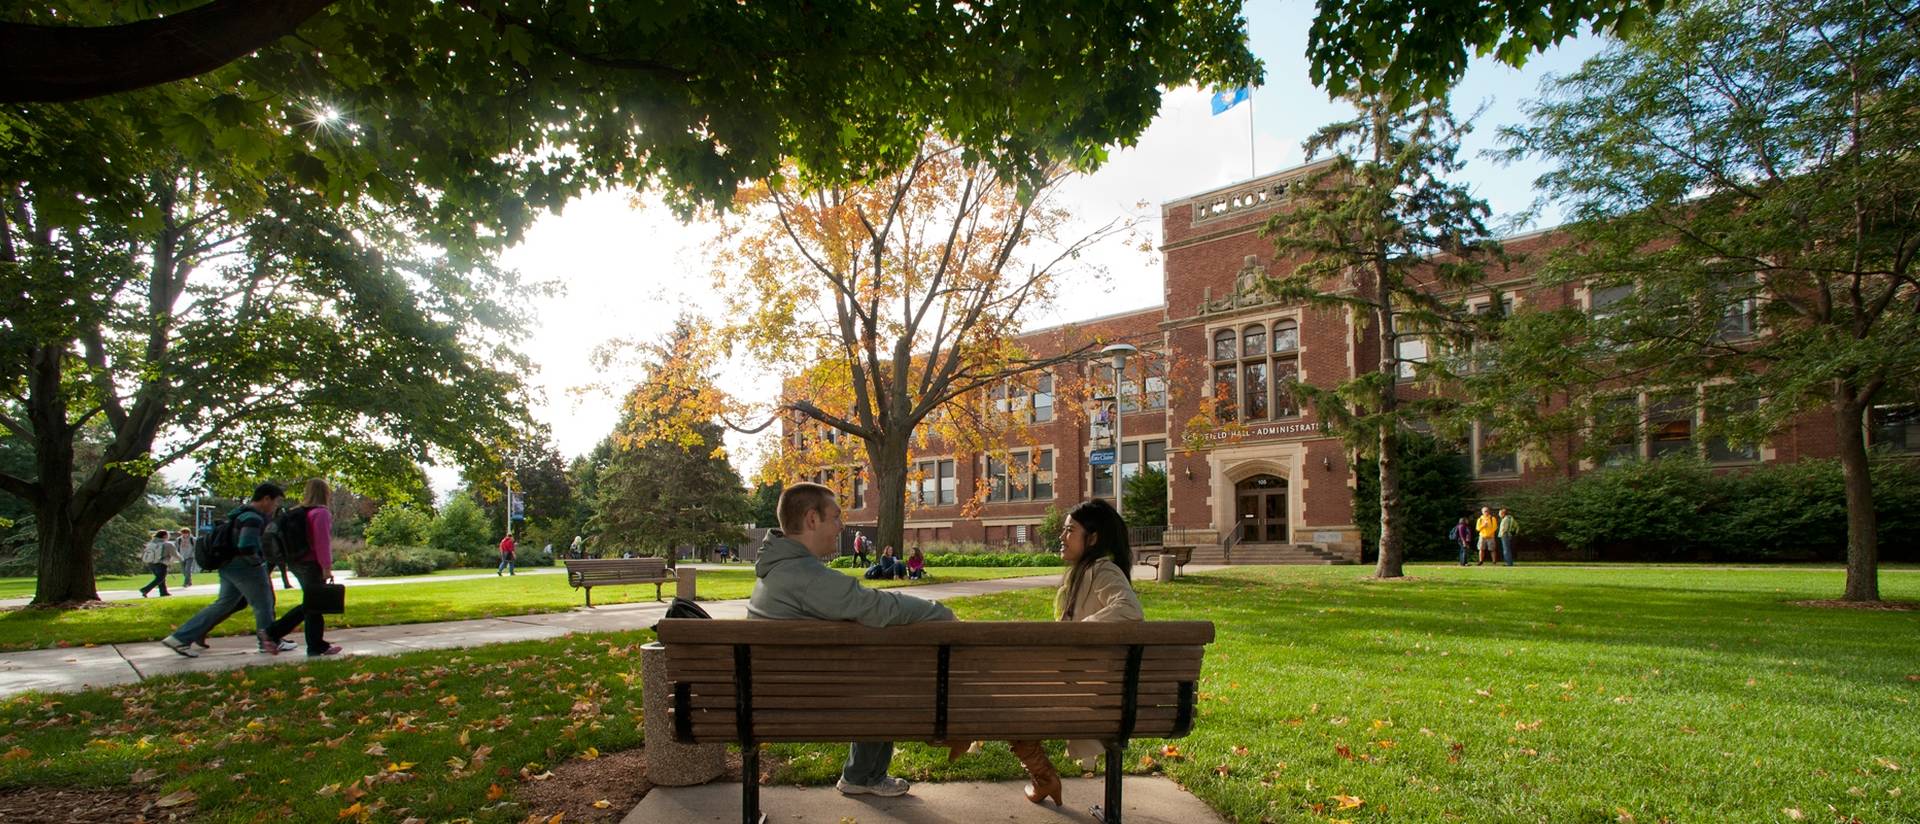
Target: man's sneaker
179	647
268	645
332	649
887	786
287	645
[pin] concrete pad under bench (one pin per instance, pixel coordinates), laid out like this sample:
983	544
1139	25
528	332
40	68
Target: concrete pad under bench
1150	800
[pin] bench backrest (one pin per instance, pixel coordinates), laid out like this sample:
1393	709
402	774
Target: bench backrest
596	569
771	681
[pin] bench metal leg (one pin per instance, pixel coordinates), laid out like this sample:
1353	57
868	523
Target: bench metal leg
1109	812
589	597
750	785
656	593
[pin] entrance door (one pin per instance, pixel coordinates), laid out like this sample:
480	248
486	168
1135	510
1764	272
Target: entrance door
1263	509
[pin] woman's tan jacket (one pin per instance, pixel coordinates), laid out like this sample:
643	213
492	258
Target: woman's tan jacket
1106	595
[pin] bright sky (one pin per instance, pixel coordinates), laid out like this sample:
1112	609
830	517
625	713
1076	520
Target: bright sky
629	272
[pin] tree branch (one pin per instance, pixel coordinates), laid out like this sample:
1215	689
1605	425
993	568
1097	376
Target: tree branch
62	63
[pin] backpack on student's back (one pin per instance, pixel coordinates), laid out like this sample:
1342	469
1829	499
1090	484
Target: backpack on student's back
285	538
219	546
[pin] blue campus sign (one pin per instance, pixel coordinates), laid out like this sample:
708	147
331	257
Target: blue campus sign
1100	457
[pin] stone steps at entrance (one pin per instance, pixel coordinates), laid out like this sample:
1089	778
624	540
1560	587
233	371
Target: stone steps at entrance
1267	554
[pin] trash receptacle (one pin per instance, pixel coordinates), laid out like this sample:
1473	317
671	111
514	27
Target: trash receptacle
1167	567
669	762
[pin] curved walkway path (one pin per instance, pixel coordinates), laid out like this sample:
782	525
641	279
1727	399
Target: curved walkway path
79	668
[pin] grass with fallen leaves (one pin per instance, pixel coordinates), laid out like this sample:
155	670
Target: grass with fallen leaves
1622	694
432	736
422	601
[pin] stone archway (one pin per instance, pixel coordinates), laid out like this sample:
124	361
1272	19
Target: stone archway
1262	509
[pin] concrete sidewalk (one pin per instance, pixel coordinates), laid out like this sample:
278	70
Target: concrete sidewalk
210	583
1149	800
79	668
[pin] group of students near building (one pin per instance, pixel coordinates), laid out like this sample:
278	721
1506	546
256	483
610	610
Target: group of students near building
792	581
245	582
1495	534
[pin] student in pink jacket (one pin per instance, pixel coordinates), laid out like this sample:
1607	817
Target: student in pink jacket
314	569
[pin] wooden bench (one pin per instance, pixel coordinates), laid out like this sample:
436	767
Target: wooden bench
592	572
758	681
1179	555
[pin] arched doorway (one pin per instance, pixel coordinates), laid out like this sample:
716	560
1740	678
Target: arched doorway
1262	512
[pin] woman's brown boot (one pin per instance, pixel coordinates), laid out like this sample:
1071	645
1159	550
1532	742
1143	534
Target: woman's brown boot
1045	780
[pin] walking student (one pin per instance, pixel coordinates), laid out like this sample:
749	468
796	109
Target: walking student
1508	526
242	576
185	543
1462	535
314	568
506	556
158	554
1487	526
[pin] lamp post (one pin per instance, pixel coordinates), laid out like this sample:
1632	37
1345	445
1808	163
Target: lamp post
1119	353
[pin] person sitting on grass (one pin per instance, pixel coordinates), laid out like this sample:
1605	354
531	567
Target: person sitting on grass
916	565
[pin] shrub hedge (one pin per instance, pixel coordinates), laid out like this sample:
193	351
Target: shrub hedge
390	561
974	559
1680	508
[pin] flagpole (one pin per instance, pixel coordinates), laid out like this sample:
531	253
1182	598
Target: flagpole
1250	150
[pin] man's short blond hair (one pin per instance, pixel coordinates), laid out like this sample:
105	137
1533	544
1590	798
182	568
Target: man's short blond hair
800	499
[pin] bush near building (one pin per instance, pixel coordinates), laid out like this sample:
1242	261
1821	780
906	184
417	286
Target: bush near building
1680	509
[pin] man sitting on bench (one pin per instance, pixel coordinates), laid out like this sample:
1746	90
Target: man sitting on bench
794	582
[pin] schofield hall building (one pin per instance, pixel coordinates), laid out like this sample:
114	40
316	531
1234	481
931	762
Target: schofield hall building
1272	487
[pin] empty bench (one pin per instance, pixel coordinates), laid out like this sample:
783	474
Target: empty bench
754	681
1178	555
592	572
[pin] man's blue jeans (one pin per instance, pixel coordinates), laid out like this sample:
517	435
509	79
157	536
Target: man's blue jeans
1506	549
867	762
506	565
244	576
1463	554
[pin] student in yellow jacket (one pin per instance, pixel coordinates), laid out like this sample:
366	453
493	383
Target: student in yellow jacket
1488	526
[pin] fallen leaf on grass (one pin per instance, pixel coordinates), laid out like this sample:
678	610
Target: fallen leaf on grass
17	754
1224	769
1887	763
1348	802
590	754
1170	751
541	776
1794	813
176	798
376	750
1238	750
1522	726
602	804
143	775
494	792
354	811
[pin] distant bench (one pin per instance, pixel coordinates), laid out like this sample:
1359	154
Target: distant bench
1179	555
757	681
592	572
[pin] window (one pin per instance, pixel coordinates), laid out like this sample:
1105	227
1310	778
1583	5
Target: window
1223	345
1894	427
1286	336
1249	385
1617	422
1144	386
1156	457
859	489
1043	399
1737	307
1721	450
1606	299
1490	456
1025	475
1409	351
937	483
1670	425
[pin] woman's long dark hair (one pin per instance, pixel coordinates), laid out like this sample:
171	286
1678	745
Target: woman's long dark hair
1106	538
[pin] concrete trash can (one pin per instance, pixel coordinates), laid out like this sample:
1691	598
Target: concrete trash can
669	762
1167	566
683	585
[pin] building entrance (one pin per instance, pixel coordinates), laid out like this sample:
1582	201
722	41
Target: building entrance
1262	513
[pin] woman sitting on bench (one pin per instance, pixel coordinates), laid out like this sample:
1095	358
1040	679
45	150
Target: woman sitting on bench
1097	586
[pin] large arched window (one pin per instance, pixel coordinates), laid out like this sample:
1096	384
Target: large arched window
1249	378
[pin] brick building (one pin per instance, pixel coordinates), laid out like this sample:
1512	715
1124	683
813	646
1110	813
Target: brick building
1274	483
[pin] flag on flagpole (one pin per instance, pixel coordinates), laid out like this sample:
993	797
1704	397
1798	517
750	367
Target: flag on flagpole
1224	100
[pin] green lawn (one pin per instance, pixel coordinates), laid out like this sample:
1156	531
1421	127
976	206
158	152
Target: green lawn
410	603
1483	694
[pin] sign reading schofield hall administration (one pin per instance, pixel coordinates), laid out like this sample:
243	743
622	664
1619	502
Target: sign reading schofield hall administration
1267	430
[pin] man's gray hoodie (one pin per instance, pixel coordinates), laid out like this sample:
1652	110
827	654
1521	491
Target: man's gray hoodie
791	583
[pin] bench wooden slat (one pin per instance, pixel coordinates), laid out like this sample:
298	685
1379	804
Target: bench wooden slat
695	631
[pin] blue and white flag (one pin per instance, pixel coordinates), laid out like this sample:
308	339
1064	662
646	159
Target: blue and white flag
1230	98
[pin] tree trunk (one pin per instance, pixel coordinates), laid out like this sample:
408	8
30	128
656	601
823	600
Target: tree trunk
889	460
66	554
1393	555
1863	543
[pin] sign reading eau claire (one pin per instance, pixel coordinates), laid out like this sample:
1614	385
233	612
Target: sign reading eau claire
1267	429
